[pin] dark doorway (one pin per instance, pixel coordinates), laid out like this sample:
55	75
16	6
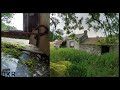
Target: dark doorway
104	49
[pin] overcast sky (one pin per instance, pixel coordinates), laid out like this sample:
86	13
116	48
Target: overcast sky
91	33
17	21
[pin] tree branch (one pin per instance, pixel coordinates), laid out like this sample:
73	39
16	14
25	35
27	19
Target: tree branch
97	20
99	23
108	24
53	23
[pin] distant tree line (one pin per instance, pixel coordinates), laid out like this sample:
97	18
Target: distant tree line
54	36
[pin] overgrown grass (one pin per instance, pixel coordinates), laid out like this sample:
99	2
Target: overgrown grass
69	54
85	64
11	48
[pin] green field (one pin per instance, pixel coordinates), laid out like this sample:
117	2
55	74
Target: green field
67	62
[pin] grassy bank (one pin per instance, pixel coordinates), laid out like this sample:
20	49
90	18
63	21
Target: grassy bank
83	64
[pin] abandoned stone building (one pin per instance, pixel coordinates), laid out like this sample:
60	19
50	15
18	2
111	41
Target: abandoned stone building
90	44
57	43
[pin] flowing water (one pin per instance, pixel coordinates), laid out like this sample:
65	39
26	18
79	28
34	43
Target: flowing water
11	67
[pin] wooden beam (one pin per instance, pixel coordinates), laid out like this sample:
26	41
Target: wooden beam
18	32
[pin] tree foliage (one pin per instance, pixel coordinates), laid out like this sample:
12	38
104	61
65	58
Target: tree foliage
7	27
109	24
70	20
6	19
54	36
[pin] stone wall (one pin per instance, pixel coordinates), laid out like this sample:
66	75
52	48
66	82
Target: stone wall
90	48
114	48
96	49
76	45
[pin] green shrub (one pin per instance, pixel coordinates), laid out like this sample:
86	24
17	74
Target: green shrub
104	66
84	64
76	70
58	70
66	63
68	54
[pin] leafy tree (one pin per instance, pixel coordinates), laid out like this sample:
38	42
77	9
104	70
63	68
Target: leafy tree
7	27
55	36
6	19
71	22
110	24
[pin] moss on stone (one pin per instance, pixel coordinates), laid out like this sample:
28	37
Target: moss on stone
11	49
12	45
14	52
31	65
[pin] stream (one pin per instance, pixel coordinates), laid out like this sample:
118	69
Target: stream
12	67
